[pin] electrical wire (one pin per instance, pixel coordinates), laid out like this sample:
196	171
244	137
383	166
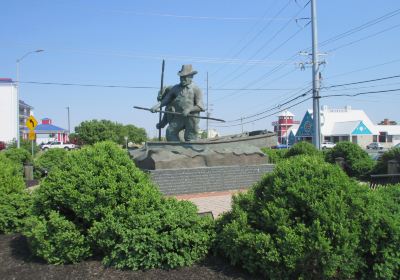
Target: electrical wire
298	103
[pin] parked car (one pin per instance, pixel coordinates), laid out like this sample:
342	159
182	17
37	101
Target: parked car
327	145
281	146
59	145
375	146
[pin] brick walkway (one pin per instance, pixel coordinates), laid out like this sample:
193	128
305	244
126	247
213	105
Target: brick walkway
215	202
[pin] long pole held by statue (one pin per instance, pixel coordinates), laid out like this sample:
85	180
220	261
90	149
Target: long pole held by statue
161	90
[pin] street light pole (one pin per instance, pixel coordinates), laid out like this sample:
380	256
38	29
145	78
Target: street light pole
18	88
69	126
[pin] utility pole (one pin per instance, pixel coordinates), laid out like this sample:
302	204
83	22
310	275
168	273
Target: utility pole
315	74
208	114
69	126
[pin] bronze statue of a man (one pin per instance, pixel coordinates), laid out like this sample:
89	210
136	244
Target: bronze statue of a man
185	98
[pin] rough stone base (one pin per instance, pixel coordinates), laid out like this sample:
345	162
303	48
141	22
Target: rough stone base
208	179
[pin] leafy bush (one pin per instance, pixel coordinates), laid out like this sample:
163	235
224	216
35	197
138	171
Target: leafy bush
19	156
380	238
274	155
382	164
298	222
357	162
56	239
144	237
51	159
94	131
14	200
25	145
100	194
302	148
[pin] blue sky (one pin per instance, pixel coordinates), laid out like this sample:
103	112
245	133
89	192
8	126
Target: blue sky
251	45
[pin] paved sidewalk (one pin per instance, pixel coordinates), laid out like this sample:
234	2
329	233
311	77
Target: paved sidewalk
215	202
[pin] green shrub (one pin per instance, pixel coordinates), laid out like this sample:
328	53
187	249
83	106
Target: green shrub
380	238
357	162
110	203
19	156
274	155
51	159
25	145
56	239
298	222
382	163
14	200
302	148
143	237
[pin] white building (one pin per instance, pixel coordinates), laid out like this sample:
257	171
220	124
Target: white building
337	125
8	111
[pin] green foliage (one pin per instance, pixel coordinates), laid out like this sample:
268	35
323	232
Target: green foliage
19	156
296	223
117	210
382	164
56	239
357	162
94	131
308	220
142	237
14	200
49	160
26	145
274	155
302	148
380	238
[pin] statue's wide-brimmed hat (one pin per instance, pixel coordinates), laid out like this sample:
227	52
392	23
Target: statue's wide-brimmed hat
187	70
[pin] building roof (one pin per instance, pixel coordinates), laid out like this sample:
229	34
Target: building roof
390	129
329	117
286	113
48	128
344	128
293	129
22	103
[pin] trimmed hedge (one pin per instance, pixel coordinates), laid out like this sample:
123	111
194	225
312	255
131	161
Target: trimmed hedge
14	200
106	206
49	160
274	155
302	148
382	163
308	220
357	162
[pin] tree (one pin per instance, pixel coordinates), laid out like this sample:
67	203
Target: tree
90	132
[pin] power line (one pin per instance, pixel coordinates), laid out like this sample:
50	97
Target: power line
266	115
88	85
361	93
264	45
364	38
274	108
149	87
253	38
363	82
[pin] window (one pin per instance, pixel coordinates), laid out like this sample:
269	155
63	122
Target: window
389	138
374	138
